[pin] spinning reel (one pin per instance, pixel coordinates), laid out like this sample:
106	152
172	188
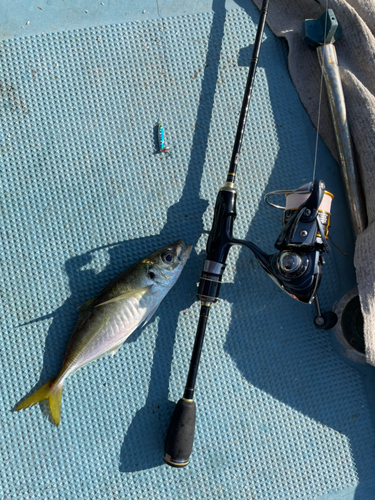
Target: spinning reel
297	266
302	241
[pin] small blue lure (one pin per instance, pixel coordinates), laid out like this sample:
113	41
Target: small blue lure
161	140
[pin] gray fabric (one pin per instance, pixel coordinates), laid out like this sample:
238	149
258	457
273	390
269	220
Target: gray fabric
356	56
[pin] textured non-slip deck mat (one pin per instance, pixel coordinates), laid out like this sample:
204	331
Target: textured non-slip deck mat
280	413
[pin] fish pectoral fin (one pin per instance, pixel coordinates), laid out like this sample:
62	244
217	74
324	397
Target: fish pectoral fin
149	315
137	293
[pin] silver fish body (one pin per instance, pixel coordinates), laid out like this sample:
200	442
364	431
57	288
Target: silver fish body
106	321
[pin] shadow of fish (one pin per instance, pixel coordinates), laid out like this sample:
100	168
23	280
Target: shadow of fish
106	321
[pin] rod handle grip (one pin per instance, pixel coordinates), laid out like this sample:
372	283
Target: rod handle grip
180	436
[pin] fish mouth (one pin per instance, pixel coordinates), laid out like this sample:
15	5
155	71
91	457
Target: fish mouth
182	251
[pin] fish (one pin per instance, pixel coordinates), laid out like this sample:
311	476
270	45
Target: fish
107	320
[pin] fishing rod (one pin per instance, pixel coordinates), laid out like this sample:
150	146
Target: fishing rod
295	268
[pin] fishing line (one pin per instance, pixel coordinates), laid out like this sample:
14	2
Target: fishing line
162	72
157	8
162	149
320	99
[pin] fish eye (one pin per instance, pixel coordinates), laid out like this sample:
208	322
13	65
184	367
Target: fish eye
168	257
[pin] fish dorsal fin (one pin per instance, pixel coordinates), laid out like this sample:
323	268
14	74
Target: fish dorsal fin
137	293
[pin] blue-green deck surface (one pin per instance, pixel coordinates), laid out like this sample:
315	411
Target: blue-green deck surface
281	414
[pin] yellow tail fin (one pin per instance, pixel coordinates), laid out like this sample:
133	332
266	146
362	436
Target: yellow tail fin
48	391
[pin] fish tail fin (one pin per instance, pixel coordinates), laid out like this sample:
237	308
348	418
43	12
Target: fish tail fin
50	391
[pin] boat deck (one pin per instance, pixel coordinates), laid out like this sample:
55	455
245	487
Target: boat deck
281	413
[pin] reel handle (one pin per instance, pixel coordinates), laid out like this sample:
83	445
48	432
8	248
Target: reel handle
179	441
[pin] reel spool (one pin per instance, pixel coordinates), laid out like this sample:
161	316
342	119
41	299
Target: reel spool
296	199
